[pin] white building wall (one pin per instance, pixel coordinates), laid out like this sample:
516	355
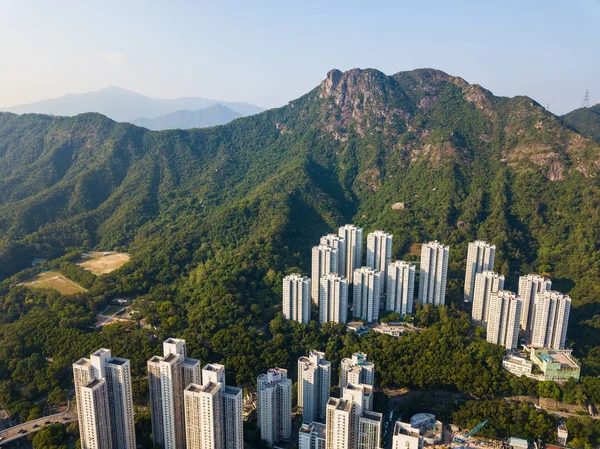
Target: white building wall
296	298
367	293
434	273
352	236
333	299
480	257
379	255
486	283
401	287
324	261
529	287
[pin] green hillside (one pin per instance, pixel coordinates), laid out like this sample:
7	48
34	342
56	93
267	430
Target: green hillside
213	218
585	121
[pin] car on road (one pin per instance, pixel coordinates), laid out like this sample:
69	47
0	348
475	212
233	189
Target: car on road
47	422
22	431
35	426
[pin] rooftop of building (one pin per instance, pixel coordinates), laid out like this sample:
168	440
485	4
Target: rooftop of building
366	389
191	362
155	359
372	416
213	367
314	427
233	391
118	361
210	387
557	356
100	352
340	404
174	340
517	359
83	362
93	383
518	442
194	388
403	428
170	357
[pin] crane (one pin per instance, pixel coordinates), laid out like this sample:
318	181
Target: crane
470	434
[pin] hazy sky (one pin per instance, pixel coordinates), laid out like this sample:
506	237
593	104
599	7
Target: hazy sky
269	52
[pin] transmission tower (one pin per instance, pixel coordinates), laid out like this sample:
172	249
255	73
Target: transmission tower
586	99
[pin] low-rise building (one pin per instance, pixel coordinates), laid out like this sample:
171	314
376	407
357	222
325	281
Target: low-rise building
544	364
518	443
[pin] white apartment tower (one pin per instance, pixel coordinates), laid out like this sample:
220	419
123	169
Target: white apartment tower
480	257
504	319
296	298
352	236
434	273
357	370
550	320
379	254
400	288
274	391
350	423
333	299
338	424
314	384
529	287
324	261
367	293
486	283
104	401
168	376
338	242
213	412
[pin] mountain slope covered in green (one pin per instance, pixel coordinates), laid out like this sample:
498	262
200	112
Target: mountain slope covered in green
585	121
213	218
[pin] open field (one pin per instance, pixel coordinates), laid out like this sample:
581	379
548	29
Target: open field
103	262
52	279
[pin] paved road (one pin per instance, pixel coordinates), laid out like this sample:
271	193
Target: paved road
16	432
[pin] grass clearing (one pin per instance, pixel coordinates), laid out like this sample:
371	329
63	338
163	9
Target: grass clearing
104	262
56	281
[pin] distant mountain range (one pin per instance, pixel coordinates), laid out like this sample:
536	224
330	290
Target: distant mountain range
123	105
216	114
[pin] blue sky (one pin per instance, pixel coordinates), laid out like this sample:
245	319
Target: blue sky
269	52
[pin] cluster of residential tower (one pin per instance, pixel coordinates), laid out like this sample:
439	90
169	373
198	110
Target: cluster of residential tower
536	312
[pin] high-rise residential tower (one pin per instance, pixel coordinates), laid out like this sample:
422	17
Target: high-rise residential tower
379	255
367	293
401	287
480	257
350	423
104	401
168	376
324	261
338	242
486	283
352	236
434	273
314	384
213	412
529	287
357	370
296	298
550	319
274	391
503	319
333	299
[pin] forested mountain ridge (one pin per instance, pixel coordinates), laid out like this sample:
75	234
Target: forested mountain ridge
213	218
585	121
